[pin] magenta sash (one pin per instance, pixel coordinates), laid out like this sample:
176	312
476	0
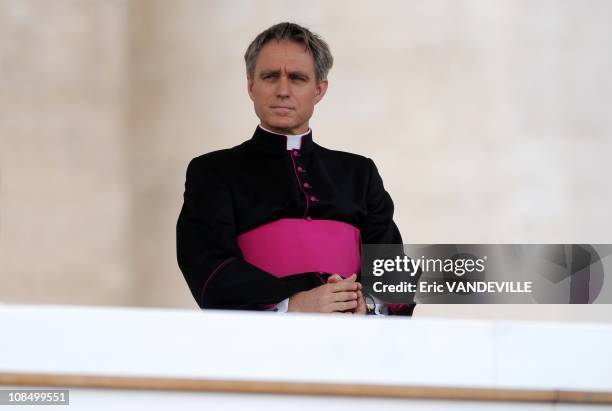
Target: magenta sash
291	246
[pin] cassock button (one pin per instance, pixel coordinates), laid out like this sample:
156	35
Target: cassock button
308	218
313	198
296	153
306	185
300	169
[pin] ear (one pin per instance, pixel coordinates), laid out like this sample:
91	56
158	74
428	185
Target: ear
320	90
250	87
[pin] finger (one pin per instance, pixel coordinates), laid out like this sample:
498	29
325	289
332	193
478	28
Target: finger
344	296
344	286
361	307
353	278
334	279
360	310
343	305
350	278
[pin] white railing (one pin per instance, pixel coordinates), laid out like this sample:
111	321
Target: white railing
152	356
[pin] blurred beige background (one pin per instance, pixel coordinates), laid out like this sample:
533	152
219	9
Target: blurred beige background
489	121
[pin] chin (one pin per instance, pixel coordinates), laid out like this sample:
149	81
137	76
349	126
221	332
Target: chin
284	125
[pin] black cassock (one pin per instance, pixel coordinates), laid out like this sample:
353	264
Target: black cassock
238	190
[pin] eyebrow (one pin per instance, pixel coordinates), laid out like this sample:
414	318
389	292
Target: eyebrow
277	72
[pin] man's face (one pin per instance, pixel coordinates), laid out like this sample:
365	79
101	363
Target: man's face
284	88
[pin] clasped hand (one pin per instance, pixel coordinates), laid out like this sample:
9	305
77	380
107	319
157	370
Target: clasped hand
339	295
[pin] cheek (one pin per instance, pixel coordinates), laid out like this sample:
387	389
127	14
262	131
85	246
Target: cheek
308	100
260	93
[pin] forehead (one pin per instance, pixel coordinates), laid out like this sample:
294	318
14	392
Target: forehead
284	54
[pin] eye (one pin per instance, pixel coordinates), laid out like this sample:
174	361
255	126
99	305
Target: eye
270	76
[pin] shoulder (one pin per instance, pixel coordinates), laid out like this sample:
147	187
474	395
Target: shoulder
215	161
350	163
345	158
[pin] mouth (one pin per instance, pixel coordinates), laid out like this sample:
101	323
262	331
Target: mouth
282	109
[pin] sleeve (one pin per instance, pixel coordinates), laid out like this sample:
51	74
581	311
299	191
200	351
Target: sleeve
381	229
209	257
283	306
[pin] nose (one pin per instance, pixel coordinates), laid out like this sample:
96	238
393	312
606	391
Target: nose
282	90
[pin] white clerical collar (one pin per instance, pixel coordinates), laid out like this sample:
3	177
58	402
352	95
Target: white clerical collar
294	141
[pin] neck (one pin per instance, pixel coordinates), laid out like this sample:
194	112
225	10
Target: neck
286	132
275	143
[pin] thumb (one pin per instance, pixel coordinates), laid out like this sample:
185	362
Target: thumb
334	279
352	277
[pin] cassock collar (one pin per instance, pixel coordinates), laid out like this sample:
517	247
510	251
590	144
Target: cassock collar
277	143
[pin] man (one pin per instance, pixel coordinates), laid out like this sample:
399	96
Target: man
277	221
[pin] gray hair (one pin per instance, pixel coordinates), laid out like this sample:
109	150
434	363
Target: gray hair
314	44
